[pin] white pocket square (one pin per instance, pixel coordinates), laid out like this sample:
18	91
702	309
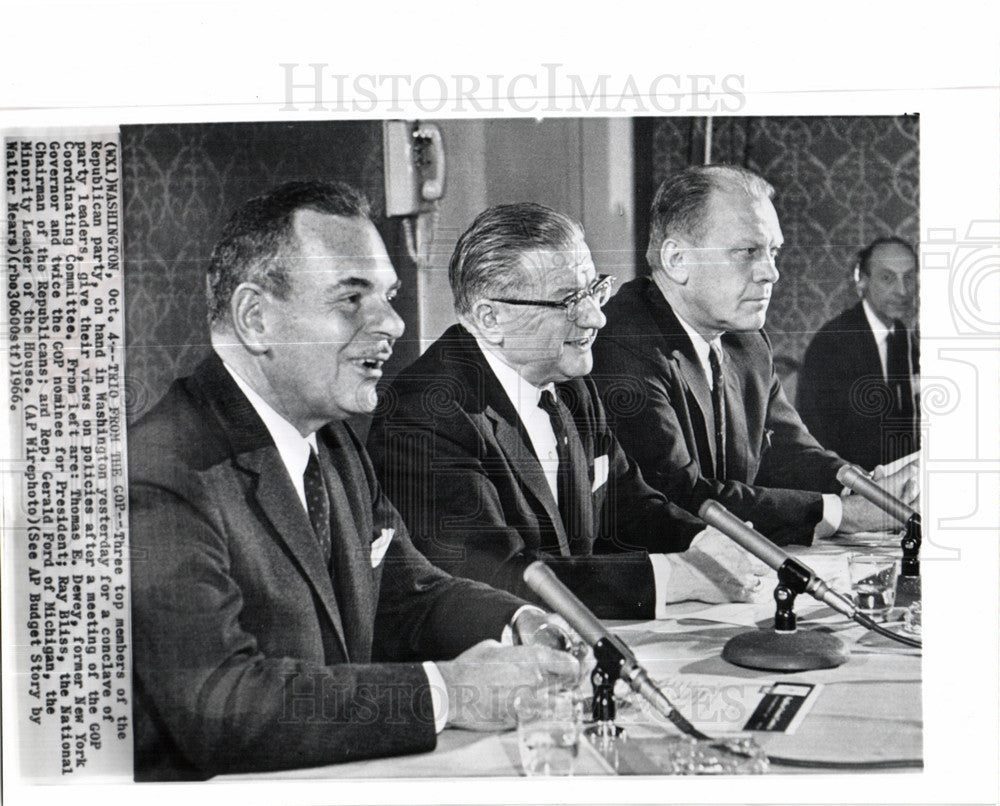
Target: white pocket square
381	545
600	472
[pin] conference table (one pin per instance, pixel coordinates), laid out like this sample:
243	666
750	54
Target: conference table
865	712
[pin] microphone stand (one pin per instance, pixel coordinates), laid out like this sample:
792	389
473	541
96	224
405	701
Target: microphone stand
784	648
908	588
610	662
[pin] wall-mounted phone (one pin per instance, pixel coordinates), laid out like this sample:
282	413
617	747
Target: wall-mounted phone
414	167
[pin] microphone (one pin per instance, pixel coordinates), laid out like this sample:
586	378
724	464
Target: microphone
546	585
784	647
857	480
714	514
908	588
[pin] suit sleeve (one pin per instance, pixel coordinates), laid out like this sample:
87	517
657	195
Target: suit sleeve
644	416
795	459
635	515
438	472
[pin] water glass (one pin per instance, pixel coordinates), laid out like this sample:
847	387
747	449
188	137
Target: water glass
873	583
549	724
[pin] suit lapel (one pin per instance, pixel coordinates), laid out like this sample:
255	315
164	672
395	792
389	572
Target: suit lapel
474	373
516	449
737	433
254	452
352	528
866	342
581	451
681	350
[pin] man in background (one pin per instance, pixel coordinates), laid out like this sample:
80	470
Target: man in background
687	372
858	384
495	447
281	616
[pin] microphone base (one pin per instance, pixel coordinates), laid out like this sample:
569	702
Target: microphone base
797	651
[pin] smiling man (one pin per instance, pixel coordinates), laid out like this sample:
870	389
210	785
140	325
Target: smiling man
281	616
495	448
858	384
687	372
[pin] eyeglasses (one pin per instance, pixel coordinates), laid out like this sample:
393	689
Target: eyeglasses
599	291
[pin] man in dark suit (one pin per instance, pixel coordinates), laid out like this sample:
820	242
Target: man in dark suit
857	388
281	616
687	372
495	448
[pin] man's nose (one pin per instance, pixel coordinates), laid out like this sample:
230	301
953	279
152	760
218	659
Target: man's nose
589	314
766	270
385	320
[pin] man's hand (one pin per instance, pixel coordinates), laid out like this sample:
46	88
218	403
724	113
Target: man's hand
860	515
714	569
484	681
902	483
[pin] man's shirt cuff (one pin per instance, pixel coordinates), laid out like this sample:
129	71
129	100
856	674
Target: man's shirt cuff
439	694
833	514
661	583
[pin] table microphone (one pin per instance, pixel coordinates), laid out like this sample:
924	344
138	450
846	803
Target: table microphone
546	585
908	588
858	481
715	514
784	647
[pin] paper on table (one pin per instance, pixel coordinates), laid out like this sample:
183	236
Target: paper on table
901	462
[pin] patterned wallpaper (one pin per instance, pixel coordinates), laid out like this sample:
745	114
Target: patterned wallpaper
840	183
181	183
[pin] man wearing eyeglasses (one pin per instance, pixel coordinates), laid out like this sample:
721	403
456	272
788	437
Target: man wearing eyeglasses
495	448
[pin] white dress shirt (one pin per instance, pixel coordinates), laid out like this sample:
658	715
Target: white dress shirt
525	397
881	334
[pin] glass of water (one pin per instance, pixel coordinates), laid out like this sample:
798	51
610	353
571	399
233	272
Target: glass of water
549	724
873	583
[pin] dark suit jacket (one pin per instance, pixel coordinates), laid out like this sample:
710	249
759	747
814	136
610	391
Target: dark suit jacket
843	398
660	406
452	454
244	659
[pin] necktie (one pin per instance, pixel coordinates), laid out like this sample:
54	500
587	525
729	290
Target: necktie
719	407
567	484
898	371
318	504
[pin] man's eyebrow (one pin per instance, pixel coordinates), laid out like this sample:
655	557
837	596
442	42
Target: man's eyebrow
352	282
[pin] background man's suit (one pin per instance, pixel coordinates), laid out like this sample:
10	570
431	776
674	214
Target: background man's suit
453	455
659	404
239	635
843	396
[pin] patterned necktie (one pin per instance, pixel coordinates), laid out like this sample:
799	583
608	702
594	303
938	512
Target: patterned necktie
564	480
719	408
318	504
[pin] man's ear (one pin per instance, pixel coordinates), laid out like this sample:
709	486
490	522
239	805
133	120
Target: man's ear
860	282
675	259
246	309
485	318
